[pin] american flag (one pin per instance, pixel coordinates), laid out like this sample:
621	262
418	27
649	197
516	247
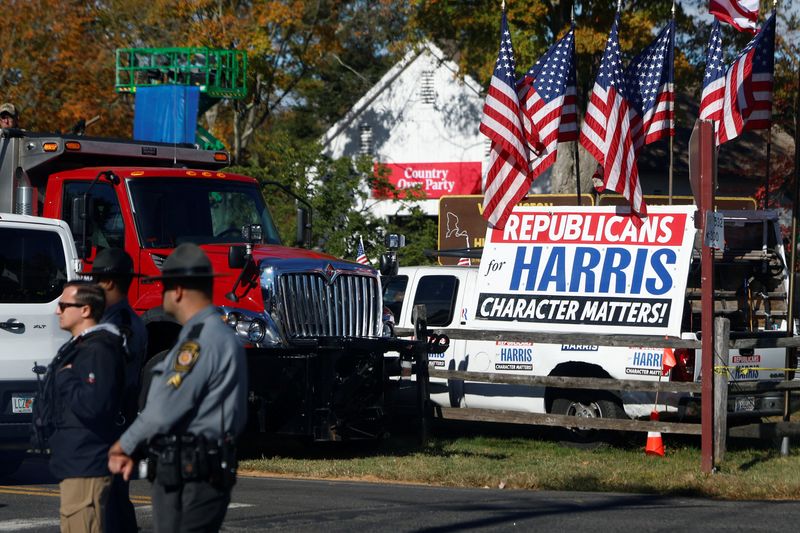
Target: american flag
549	103
606	131
741	14
361	257
507	179
648	80
747	104
714	77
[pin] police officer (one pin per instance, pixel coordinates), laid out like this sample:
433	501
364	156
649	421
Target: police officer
113	271
196	405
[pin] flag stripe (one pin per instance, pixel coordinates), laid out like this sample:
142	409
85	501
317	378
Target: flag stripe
649	90
606	131
741	14
746	104
503	121
549	103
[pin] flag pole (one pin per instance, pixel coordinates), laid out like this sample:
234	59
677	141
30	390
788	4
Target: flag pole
671	137
578	119
768	172
791	311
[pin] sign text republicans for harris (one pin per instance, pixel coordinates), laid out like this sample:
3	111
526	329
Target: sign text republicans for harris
592	269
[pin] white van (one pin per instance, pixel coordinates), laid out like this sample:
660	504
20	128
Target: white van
37	257
751	269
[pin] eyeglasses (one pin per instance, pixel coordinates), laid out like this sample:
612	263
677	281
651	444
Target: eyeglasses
64	305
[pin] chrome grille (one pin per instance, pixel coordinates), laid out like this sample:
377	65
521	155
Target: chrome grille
350	306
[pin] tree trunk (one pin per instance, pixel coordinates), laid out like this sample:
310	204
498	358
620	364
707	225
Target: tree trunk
562	179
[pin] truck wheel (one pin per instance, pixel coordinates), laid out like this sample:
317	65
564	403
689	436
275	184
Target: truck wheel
587	406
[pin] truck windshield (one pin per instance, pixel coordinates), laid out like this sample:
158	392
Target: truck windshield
169	212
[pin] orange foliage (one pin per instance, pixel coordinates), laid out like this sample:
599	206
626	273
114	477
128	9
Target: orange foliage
57	66
57	57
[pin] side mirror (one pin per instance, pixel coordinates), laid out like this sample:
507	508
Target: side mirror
303	231
237	256
78	214
82	225
389	266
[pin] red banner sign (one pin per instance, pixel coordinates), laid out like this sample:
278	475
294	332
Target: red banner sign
433	179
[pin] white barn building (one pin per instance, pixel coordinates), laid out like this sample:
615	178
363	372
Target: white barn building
421	122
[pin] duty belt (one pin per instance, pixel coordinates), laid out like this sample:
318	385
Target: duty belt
175	459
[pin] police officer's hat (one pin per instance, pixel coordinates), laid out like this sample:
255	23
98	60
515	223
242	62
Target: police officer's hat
112	262
186	261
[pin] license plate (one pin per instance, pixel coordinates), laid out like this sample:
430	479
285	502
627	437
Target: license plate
745	403
21	404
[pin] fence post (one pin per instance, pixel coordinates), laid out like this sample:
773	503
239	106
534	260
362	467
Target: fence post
419	315
722	333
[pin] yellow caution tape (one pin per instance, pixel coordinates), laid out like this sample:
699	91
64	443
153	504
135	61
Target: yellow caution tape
720	369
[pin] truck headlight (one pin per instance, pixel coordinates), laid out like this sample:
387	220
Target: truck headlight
256	331
251	327
232	318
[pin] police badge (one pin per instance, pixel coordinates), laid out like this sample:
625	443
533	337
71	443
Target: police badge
187	356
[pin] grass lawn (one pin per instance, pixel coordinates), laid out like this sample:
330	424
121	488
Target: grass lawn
526	458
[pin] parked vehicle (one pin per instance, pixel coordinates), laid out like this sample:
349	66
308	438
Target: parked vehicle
751	289
311	323
37	257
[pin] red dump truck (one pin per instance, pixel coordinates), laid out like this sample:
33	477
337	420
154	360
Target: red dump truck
312	324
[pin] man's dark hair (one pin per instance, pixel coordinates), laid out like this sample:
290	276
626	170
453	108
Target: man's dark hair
91	294
202	284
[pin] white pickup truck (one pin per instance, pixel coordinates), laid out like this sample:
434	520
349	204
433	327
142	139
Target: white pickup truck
751	288
36	258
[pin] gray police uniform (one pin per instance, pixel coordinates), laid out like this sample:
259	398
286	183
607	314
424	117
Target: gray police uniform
200	389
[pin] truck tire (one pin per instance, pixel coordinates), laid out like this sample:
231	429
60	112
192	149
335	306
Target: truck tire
587	405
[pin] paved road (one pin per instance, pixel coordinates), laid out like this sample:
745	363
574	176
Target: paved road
29	502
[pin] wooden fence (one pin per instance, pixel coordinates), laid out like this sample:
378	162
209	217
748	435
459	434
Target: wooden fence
722	389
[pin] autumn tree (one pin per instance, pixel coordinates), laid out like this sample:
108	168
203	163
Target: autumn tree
57	66
291	45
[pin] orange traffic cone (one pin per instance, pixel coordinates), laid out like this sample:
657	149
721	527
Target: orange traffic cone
654	444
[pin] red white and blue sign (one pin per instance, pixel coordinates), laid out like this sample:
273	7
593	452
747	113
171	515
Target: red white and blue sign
589	269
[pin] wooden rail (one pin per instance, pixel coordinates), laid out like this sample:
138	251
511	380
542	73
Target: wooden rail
547	419
651	341
568	382
721	390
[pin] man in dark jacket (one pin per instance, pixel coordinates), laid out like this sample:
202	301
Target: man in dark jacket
82	392
113	271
